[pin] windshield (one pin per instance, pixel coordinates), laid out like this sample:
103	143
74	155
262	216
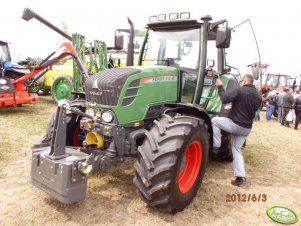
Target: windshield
172	48
4	53
276	80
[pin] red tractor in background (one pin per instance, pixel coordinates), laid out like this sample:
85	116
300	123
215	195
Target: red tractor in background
271	86
15	79
274	82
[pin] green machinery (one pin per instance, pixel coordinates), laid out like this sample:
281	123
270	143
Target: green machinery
68	81
158	112
94	57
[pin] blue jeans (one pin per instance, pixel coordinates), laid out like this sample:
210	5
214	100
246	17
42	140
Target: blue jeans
280	113
270	111
257	114
239	135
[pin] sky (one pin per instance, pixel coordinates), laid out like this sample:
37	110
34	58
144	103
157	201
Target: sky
276	24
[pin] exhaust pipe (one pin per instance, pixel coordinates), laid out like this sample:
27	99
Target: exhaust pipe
28	14
130	53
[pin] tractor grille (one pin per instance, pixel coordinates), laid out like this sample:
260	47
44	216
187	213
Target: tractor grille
105	86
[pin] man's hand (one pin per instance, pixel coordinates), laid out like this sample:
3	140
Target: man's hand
218	82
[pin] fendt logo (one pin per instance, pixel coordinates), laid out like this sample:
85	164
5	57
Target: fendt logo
46	180
96	93
95	87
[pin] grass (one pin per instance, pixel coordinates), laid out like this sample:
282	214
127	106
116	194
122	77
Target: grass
121	173
21	127
250	158
2	157
113	180
272	157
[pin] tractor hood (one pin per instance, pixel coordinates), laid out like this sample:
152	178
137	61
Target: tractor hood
106	86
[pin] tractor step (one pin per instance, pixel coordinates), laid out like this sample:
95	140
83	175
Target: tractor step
60	178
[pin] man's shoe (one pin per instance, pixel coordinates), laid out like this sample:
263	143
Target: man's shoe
239	181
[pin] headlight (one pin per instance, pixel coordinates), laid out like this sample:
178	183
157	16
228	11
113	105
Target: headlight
90	112
107	116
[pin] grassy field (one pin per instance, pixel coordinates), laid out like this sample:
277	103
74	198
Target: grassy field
273	165
20	127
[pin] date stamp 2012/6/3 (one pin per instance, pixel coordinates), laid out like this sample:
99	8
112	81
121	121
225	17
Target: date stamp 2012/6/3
246	197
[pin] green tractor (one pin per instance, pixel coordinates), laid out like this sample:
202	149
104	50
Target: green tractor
159	112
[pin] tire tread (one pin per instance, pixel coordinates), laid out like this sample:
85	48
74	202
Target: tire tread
157	158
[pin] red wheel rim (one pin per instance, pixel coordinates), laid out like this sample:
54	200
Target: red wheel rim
76	141
190	166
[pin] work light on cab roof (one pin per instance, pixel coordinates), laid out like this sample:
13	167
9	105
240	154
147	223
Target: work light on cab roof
172	16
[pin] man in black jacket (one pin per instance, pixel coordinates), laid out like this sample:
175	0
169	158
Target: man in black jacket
245	101
297	107
288	101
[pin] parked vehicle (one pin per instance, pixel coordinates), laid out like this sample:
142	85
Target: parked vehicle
16	79
159	112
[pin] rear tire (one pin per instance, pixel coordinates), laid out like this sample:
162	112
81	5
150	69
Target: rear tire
171	162
225	151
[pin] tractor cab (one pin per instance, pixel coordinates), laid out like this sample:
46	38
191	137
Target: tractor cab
9	68
198	50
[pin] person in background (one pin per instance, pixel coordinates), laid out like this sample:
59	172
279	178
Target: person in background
297	108
295	95
280	103
271	106
287	106
297	82
245	101
257	114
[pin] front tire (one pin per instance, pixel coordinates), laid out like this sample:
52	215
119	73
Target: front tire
74	135
171	162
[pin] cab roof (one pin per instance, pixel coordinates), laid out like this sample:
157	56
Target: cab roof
174	24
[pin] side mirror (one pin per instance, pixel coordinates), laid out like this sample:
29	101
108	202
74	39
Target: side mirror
223	37
119	41
256	70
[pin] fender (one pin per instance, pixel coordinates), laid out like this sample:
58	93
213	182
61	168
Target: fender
193	110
